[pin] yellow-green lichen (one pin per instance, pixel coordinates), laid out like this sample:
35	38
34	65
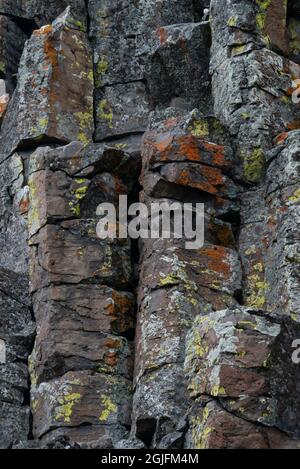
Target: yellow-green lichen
238	50
250	250
257	291
199	348
254	165
43	122
285	99
217	391
77	195
266	362
199	128
245	115
243	324
102	68
200	430
105	112
170	279
85	122
65	409
34	405
261	18
294	316
295	197
258	267
232	21
109	408
32	373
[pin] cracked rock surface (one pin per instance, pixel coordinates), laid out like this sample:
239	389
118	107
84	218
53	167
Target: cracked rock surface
128	344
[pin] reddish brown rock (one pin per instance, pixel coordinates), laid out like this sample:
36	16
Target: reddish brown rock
46	106
214	428
238	356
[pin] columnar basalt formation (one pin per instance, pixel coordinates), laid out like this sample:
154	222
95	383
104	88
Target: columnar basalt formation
122	344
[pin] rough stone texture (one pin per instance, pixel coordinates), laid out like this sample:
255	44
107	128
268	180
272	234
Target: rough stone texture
16	334
137	43
41	12
39	110
14	204
12	40
73	271
149	344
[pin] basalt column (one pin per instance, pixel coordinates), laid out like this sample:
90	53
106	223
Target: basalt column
187	157
81	364
249	349
119	343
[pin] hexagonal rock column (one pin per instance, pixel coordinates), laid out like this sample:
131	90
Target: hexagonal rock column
81	365
183	160
282	255
253	97
252	85
240	370
133	53
45	105
16	337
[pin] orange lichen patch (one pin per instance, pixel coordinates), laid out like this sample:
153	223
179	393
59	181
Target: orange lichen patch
217	259
162	35
120	304
188	147
281	138
184	179
111	342
51	57
44	91
214	175
218	157
4	100
47	29
120	310
290	91
110	358
123	302
182	43
293	125
24	205
169	148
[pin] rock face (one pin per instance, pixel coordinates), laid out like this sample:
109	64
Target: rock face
118	343
17	335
